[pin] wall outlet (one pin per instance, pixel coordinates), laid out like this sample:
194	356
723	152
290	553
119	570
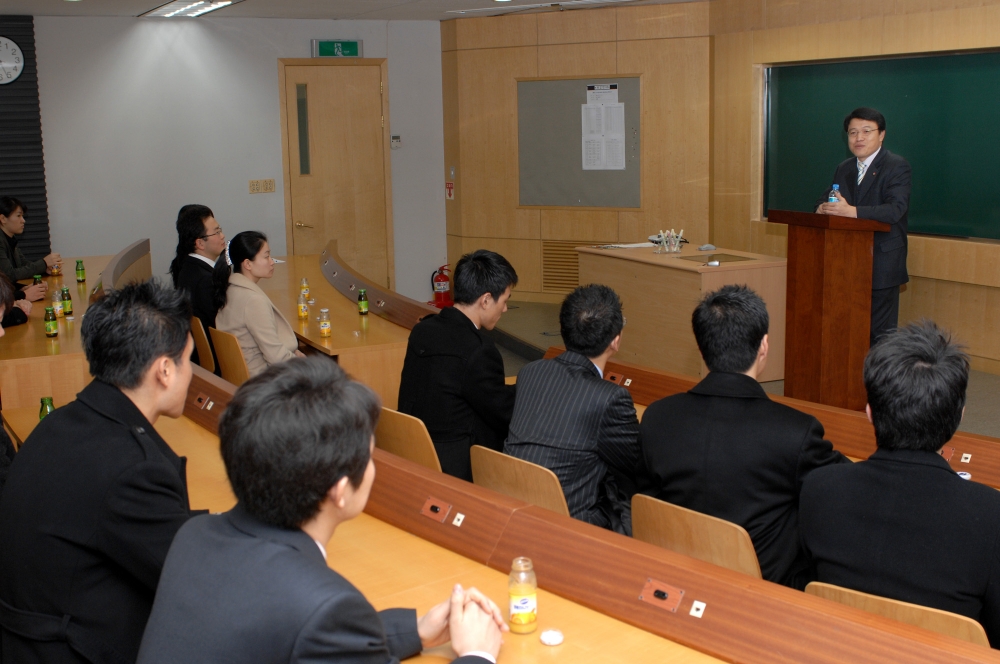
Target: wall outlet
262	186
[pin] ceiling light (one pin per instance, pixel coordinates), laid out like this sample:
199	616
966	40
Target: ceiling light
189	8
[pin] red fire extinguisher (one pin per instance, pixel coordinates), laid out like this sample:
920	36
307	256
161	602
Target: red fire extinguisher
442	287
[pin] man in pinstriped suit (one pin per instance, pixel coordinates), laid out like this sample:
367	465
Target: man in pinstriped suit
579	426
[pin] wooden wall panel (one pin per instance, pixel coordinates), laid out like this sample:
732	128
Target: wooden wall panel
452	152
454	249
576	27
726	16
584	225
973	27
675	125
845	39
449	35
597	59
955	259
524	255
496	31
770	239
681	19
970	311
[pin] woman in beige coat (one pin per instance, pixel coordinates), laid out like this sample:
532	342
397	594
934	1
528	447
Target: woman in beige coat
245	311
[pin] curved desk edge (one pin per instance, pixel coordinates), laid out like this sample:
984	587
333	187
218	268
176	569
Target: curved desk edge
118	266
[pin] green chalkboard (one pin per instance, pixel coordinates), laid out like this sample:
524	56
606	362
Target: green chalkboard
942	114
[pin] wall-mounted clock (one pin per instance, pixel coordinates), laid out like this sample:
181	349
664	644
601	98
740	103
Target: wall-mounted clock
11	61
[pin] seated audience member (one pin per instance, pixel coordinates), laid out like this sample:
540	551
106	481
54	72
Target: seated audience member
453	375
16	312
200	242
95	496
12	261
903	524
578	425
253	585
725	449
6	445
244	310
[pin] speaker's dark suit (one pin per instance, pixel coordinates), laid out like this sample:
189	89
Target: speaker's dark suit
883	195
453	380
582	428
195	279
725	449
237	590
92	502
903	525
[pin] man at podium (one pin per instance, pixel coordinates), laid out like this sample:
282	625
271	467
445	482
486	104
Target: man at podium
875	184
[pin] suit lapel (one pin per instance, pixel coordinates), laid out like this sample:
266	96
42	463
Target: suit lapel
870	176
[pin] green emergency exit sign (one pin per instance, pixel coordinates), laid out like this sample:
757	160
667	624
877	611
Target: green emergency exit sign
336	48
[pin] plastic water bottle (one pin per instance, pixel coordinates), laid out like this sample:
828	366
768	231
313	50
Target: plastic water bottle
833	194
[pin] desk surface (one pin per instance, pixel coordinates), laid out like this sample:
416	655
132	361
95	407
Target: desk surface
29	340
350	331
647	255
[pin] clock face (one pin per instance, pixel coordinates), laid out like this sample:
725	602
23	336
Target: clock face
11	61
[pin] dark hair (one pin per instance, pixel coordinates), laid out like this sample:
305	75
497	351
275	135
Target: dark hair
729	325
8	204
916	379
865	113
292	432
590	318
127	329
6	293
245	245
190	228
482	271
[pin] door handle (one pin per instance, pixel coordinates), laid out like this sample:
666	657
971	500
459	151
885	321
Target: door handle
299	224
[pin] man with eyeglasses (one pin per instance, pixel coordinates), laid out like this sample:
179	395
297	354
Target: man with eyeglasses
875	184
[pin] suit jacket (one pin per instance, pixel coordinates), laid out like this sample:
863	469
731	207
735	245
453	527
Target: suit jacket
265	336
725	449
453	380
883	195
195	279
92	501
585	430
237	590
903	525
14	264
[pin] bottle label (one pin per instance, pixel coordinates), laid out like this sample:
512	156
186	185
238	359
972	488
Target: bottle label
81	275
57	307
67	307
363	306
324	328
523	609
51	328
303	311
304	290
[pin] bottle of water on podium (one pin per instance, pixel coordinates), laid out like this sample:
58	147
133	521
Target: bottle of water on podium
833	193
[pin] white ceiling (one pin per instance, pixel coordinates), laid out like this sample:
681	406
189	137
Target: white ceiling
397	10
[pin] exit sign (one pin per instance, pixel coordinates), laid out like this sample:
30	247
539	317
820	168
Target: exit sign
336	48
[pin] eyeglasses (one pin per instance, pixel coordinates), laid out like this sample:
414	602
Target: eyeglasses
867	131
205	237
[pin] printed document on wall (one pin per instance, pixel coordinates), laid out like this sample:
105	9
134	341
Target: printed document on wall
603	137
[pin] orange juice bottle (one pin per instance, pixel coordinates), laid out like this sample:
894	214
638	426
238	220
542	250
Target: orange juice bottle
523	587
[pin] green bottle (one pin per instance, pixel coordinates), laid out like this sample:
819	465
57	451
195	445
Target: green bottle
37	280
46	408
81	272
362	302
67	302
51	324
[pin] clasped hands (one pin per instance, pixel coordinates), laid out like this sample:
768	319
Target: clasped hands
841	208
469	619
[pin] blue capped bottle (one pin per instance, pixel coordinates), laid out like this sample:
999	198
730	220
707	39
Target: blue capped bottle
833	194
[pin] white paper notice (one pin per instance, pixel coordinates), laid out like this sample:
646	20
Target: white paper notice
602	94
603	136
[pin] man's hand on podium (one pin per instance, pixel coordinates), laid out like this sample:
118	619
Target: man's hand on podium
841	208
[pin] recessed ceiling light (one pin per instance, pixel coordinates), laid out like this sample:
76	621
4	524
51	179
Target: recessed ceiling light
189	8
72	0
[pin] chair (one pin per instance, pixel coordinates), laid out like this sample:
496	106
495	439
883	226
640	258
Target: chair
518	479
205	357
694	534
407	437
230	356
936	620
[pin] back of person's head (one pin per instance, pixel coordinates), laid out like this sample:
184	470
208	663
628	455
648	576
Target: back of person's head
245	245
590	318
865	113
729	325
190	227
9	204
482	272
291	433
6	296
129	328
916	378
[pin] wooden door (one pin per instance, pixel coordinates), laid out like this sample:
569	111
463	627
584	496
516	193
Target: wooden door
337	165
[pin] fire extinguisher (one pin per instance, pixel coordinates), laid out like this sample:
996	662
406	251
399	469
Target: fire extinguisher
442	287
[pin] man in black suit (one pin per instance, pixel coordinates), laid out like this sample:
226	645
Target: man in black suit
453	376
579	426
875	184
94	496
903	524
253	585
725	449
200	242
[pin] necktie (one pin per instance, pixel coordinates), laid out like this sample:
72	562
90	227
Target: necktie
861	171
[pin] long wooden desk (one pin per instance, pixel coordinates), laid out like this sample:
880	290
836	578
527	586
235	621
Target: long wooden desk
660	291
33	365
369	348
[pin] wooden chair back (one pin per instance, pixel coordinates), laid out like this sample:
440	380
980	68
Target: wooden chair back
231	362
205	357
407	437
694	534
518	479
936	620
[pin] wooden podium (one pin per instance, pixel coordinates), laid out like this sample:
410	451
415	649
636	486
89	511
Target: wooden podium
828	306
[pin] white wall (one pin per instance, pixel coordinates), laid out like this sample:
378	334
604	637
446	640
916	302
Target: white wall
141	116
